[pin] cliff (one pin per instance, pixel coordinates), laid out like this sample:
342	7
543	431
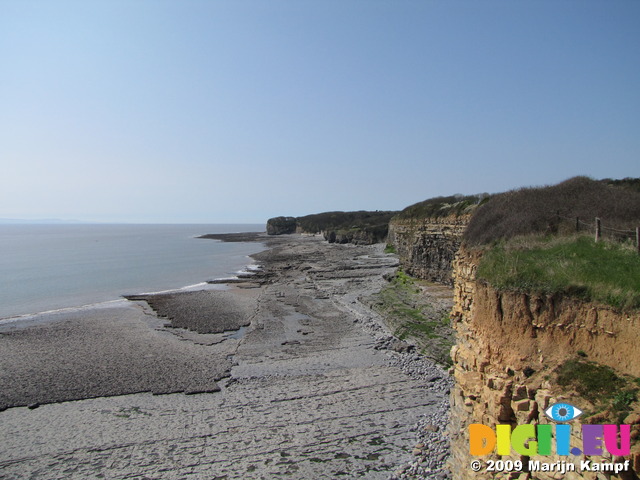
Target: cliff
543	314
536	336
361	227
510	347
427	247
428	234
281	225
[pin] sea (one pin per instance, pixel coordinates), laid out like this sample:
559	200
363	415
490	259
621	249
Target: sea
45	268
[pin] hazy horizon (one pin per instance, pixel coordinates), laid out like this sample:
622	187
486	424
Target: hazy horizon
234	112
71	221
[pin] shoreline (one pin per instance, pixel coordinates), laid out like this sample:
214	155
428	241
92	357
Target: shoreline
53	269
213	284
311	360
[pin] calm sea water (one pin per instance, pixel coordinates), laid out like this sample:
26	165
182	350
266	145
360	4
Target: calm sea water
49	267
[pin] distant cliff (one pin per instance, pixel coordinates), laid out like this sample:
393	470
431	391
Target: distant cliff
281	225
427	235
359	227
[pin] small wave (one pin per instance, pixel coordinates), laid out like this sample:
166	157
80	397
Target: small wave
188	288
244	273
250	269
56	311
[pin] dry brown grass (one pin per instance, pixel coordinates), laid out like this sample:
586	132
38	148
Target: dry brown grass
553	210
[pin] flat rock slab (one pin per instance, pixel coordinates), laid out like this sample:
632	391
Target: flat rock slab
205	311
103	352
350	424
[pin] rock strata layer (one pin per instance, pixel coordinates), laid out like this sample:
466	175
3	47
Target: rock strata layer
427	246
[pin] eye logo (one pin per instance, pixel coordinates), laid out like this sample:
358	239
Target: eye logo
562	412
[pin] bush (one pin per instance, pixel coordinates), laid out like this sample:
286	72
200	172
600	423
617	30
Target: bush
628	183
593	381
319	222
443	206
549	210
390	249
599	384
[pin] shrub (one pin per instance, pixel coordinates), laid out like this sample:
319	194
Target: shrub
628	183
443	206
319	222
593	381
549	210
600	385
389	248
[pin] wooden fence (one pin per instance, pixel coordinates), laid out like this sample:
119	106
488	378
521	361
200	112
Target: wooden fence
599	230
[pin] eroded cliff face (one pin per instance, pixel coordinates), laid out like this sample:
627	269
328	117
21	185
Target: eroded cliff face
360	228
508	345
357	236
427	247
281	225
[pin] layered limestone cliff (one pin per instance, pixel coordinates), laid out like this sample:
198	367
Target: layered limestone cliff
508	346
360	228
427	246
281	225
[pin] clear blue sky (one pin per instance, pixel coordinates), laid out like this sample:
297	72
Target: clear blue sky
237	111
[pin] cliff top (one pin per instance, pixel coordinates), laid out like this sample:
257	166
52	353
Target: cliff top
362	227
542	240
319	222
554	209
443	206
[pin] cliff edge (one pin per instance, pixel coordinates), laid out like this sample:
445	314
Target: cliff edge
428	234
510	349
544	314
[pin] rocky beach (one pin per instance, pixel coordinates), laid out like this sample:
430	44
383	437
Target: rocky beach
284	373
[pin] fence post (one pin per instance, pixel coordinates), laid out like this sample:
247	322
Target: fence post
577	224
598	229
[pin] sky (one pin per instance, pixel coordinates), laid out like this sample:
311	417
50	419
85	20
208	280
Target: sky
235	111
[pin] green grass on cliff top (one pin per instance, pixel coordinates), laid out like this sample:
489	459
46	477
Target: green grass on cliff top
605	272
443	206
